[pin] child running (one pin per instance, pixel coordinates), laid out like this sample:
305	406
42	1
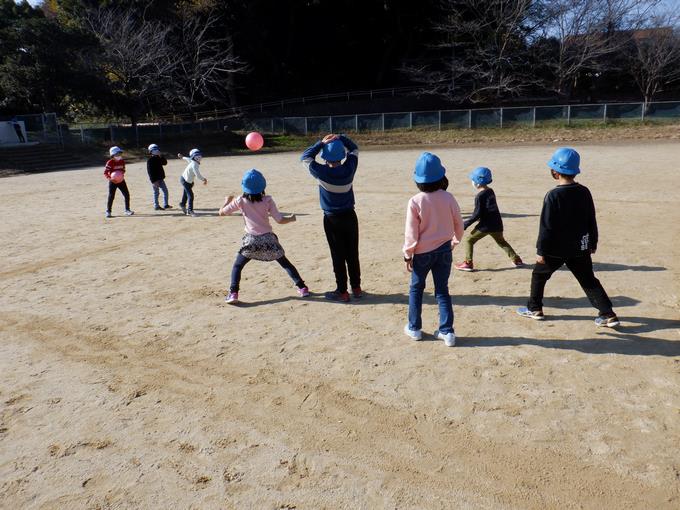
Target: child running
190	173
116	164
568	235
433	227
259	242
154	167
489	220
340	222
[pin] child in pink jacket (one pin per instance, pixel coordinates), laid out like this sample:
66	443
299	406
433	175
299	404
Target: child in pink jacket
433	227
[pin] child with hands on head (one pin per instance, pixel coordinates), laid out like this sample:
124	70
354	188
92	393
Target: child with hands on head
433	227
259	241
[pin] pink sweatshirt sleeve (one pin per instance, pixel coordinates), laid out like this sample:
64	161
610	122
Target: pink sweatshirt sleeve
458	228
273	211
411	230
231	207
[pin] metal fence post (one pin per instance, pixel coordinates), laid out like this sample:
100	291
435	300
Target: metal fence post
272	119
160	131
604	115
439	121
410	120
501	118
305	126
469	119
568	115
382	122
82	135
330	123
642	111
533	118
356	121
137	134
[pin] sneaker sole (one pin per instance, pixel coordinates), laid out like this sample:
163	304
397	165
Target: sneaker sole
608	324
464	269
411	336
530	316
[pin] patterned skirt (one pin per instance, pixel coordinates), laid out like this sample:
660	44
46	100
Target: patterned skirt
265	247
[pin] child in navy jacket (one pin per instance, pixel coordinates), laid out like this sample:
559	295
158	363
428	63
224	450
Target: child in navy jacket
335	178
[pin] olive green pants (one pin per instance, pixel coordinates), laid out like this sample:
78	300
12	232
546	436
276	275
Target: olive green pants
476	235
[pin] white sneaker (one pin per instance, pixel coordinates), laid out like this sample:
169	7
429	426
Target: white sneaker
415	334
449	338
128	212
108	214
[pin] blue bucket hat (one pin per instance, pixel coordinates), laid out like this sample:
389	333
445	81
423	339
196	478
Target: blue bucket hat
428	169
333	151
481	175
253	182
565	161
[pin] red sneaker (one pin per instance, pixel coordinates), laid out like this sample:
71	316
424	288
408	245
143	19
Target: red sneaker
465	266
517	262
357	293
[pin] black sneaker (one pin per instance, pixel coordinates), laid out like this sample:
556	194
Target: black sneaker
157	208
342	297
184	209
167	207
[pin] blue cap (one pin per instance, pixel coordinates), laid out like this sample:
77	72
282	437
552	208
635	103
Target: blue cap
565	161
428	169
481	175
333	151
253	182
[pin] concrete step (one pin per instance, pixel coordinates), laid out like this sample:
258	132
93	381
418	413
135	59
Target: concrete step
40	158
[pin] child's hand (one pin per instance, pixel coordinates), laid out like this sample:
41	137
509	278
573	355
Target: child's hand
409	265
179	155
540	259
205	182
228	199
329	138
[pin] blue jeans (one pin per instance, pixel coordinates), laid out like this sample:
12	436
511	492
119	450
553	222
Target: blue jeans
188	194
157	186
439	262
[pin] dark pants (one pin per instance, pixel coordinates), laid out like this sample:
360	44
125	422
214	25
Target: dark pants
241	261
188	194
582	269
342	233
112	193
19	132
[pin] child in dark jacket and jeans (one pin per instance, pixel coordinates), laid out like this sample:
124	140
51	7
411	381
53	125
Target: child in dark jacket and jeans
490	222
340	222
568	235
154	167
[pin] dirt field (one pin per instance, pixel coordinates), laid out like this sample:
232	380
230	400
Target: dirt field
127	382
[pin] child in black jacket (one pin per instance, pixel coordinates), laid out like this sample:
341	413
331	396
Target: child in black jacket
489	220
568	235
154	167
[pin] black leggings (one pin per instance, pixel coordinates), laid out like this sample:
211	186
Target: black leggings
342	234
582	269
112	193
241	261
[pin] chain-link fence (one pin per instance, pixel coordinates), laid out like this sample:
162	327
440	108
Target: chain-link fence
523	116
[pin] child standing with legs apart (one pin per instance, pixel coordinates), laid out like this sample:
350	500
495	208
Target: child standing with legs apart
340	222
154	167
115	174
190	173
433	227
568	235
489	220
259	242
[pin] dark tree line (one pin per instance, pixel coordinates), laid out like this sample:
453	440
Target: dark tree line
133	58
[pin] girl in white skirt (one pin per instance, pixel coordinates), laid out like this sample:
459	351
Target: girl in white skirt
259	242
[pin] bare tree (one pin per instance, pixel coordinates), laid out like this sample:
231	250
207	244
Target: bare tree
485	48
655	55
136	57
587	32
205	64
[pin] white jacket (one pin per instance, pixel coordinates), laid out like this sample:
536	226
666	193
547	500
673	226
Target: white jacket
191	171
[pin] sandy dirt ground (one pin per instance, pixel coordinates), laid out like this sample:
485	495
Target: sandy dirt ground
127	382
